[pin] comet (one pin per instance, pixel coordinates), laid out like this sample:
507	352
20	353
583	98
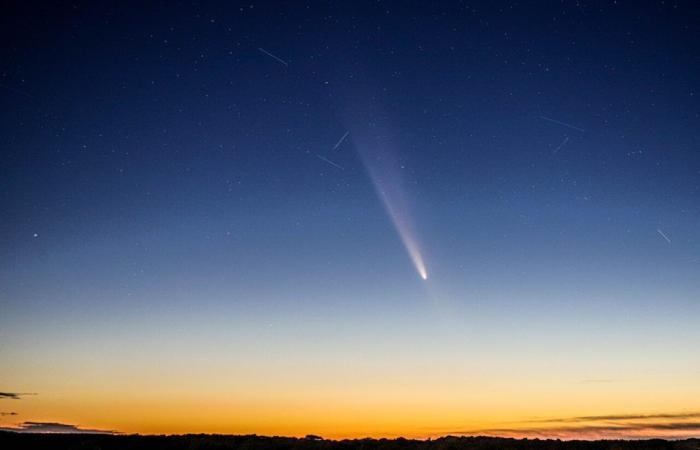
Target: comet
381	160
403	228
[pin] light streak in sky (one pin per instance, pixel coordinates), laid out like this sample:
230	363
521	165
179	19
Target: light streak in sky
563	143
323	158
401	224
381	161
277	58
663	235
341	140
562	124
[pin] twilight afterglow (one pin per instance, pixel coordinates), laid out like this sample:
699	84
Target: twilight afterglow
351	218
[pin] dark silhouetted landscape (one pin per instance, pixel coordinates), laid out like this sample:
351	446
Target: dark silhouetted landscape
9	440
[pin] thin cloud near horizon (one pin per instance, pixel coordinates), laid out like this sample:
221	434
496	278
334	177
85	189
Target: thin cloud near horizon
54	427
15	395
610	426
680	415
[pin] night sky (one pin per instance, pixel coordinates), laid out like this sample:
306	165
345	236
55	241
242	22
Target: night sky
351	218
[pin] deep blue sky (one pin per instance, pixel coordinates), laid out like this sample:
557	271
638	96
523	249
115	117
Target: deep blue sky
157	164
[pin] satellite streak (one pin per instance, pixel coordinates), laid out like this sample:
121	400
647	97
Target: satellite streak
562	123
563	143
323	158
341	140
663	235
273	56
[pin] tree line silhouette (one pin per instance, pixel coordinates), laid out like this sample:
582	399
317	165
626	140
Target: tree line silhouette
22	441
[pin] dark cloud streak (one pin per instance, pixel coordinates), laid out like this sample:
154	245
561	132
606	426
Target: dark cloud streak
15	395
666	425
54	427
686	415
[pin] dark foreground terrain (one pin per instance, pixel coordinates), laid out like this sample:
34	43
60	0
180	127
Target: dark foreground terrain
9	440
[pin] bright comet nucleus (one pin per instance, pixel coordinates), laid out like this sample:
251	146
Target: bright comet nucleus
400	220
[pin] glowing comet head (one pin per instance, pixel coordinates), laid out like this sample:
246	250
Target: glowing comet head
409	242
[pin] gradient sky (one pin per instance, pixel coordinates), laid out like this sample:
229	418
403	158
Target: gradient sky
187	245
